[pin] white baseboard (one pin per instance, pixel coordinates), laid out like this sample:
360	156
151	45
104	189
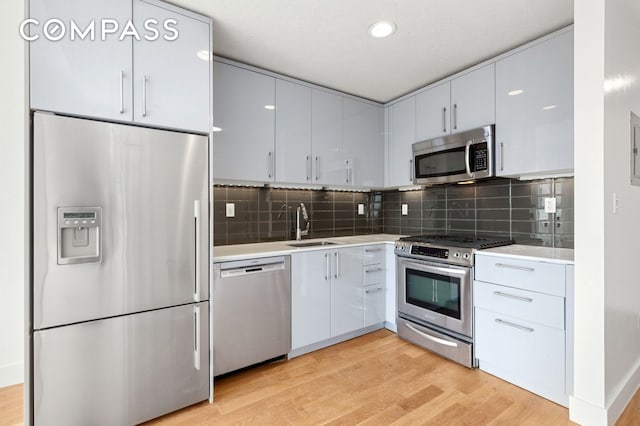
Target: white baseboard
619	400
585	413
11	374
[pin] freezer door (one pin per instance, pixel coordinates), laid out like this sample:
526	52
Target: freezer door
123	370
147	191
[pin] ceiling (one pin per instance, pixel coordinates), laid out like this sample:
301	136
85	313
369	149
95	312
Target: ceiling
326	41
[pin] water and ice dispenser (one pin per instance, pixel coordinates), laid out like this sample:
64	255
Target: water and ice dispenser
79	236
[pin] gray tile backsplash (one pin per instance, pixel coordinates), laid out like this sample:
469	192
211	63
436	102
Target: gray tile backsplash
494	208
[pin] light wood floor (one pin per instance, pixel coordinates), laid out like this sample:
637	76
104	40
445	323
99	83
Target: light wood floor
376	379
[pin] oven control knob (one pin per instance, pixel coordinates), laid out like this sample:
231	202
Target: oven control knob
456	255
466	256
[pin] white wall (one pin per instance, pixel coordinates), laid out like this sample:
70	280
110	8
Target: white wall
607	341
12	192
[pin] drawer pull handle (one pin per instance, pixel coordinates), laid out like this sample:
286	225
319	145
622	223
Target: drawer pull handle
513	296
370	271
374	290
510	324
519	268
372	250
432	338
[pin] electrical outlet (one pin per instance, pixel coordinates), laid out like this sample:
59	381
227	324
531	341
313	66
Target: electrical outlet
360	208
550	205
405	209
616	203
231	210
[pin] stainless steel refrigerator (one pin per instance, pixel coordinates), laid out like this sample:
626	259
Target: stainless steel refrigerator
119	327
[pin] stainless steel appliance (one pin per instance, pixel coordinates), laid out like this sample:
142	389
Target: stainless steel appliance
455	158
435	297
119	326
251	312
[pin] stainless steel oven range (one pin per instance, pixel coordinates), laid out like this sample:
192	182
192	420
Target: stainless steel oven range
435	297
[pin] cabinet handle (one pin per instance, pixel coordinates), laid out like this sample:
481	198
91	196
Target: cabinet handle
337	265
519	268
370	271
308	167
144	95
510	324
375	290
513	296
376	250
346	165
197	221
501	156
350	171
196	343
326	267
444	119
270	165
432	338
317	167
455	116
121	92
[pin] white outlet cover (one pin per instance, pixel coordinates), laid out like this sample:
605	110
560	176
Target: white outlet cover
550	205
231	210
360	208
405	209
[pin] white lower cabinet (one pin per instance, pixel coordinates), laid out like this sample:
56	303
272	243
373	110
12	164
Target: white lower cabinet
522	329
336	292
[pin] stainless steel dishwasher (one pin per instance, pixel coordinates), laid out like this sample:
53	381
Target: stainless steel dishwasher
251	312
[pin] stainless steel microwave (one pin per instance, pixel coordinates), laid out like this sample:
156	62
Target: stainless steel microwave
455	158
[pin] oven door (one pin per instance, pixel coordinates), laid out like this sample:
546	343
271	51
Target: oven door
437	294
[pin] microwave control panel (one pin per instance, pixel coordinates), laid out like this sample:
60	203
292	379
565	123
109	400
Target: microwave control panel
480	157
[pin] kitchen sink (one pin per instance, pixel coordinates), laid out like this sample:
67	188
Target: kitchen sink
312	244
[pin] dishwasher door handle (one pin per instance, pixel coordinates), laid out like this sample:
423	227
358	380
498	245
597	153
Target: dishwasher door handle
235	269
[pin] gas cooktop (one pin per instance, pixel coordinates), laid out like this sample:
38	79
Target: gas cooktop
453	249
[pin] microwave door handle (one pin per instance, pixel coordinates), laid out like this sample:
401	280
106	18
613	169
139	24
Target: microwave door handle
467	152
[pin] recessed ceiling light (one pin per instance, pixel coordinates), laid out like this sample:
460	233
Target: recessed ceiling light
516	92
382	29
205	55
548	107
270	107
216	129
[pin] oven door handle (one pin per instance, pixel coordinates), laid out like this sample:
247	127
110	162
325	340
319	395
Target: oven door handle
432	338
437	269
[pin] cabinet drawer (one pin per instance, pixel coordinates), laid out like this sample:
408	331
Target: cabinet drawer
528	305
372	255
374	304
373	274
541	277
526	354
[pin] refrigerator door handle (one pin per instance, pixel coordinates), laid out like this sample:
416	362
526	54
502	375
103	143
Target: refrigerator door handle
196	220
196	348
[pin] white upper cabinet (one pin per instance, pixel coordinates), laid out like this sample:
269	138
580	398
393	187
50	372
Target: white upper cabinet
401	135
95	78
243	110
534	109
82	77
326	138
171	78
433	112
362	143
293	133
464	103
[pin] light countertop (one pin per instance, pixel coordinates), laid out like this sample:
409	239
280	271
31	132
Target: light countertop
279	248
545	254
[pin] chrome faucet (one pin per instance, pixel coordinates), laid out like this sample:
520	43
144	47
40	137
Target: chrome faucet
305	216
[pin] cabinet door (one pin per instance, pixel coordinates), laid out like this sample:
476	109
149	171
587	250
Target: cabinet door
310	297
346	291
293	132
243	108
326	137
362	143
534	109
433	112
82	77
171	80
473	99
402	134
